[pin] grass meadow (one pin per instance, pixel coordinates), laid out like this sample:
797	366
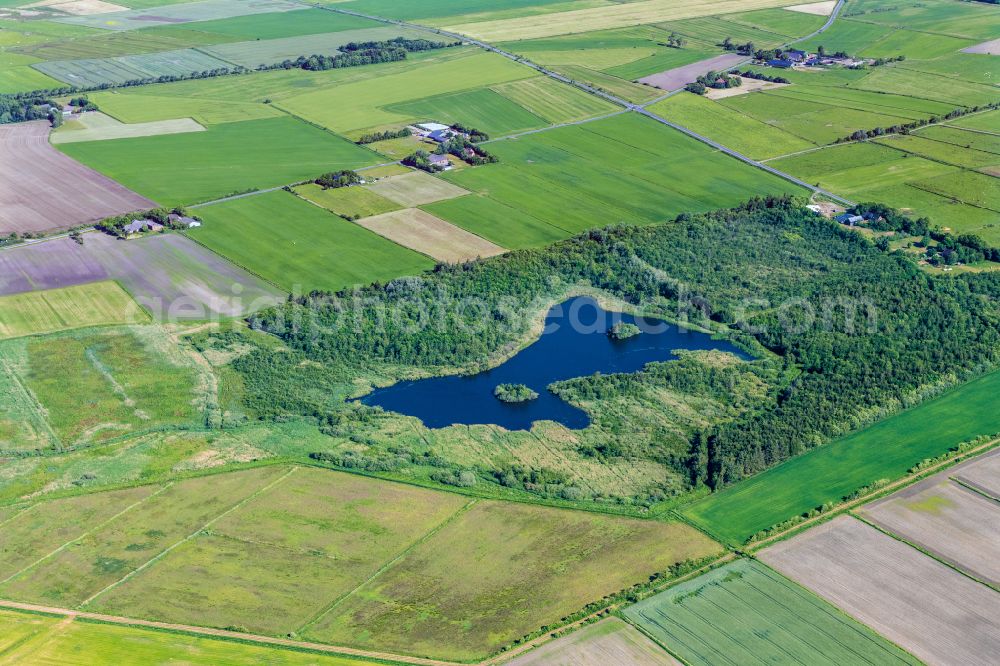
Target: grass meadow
96	384
553	101
94	72
95	304
274	25
347	201
143	105
54	640
368	102
885	450
109	552
483	109
332	557
745	612
299	246
36	532
747	135
451	595
233	157
950	196
415	188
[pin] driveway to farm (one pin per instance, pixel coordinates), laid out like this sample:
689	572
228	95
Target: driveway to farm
638	108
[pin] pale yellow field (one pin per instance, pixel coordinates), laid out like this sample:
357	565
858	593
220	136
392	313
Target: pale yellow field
80	7
416	189
817	8
602	18
96	126
749	86
424	233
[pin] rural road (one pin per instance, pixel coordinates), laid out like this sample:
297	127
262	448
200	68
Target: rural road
638	108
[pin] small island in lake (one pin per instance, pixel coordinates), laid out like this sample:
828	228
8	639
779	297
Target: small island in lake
623	331
514	393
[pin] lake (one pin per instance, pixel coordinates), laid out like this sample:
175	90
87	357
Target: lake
575	343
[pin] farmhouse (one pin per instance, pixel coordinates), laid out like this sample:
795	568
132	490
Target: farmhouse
138	226
796	56
849	219
181	220
440	161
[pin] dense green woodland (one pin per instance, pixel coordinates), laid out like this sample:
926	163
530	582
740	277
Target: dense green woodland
855	332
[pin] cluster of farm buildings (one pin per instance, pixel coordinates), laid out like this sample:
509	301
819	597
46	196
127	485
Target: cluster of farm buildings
144	224
439	133
797	58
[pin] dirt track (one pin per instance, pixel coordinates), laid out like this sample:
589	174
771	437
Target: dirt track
43	190
206	631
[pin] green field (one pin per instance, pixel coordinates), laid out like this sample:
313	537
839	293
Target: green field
95	304
989	122
140	105
233	157
942	151
781	21
975	189
956	136
859	100
274	25
111	44
902	81
483	109
882	451
53	640
95	385
712	30
810	118
301	247
496	221
367	102
731	128
347	201
971	20
254	53
93	72
209	10
878	171
746	613
553	101
24	78
562	180
627	90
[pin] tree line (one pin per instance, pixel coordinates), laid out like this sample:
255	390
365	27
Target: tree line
906	128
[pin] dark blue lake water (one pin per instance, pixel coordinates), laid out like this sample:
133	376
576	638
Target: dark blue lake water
574	343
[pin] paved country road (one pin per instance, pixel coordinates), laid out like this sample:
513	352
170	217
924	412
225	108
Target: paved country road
638	108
